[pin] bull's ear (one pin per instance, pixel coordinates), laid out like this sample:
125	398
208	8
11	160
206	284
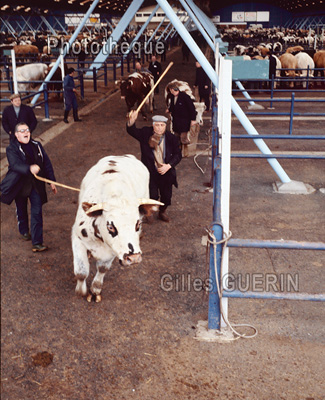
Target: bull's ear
92	209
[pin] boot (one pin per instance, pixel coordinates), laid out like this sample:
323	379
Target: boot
66	113
75	116
162	214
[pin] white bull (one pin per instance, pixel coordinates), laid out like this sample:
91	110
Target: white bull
114	195
30	72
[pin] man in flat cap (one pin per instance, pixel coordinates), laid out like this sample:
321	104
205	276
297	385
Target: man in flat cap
15	113
160	153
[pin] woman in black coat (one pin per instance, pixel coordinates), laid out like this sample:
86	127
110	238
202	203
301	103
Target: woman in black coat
27	158
183	113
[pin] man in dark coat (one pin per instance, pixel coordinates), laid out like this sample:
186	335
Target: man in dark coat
15	113
26	158
70	98
155	69
160	153
182	109
203	83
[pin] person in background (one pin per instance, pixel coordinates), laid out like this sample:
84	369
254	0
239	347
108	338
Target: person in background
160	153
27	158
155	69
140	68
70	98
15	113
203	83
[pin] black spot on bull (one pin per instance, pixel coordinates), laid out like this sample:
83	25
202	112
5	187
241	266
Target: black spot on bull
131	248
84	233
112	229
96	231
109	171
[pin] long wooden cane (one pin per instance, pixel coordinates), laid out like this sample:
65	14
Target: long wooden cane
55	183
154	86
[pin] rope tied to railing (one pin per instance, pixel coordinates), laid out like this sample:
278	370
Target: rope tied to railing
214	242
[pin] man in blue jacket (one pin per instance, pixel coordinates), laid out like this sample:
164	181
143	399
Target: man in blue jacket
27	158
160	153
17	112
70	98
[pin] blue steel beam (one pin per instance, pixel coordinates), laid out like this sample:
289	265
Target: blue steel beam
273	295
210	27
141	31
275	244
248	126
115	36
156	30
66	48
198	24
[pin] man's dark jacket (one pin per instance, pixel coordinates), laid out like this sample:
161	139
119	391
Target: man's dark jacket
173	153
19	173
10	119
183	112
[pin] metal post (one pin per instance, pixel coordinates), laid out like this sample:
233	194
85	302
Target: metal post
46	104
105	73
308	71
13	63
95	79
122	66
114	69
214	315
272	91
291	112
82	86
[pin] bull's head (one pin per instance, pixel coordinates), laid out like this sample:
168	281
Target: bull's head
118	225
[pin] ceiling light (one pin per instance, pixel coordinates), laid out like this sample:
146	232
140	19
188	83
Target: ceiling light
3	8
27	9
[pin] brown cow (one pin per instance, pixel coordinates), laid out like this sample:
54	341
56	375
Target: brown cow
135	88
290	62
25	50
294	50
319	60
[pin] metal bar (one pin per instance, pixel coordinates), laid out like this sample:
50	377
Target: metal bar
304	137
198	23
141	32
116	35
268	156
275	244
272	295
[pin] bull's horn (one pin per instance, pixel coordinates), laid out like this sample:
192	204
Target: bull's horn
150	201
96	207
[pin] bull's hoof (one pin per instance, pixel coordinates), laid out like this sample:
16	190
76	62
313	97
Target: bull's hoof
89	297
96	297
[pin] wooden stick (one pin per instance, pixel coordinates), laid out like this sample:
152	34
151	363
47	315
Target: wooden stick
155	85
56	183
